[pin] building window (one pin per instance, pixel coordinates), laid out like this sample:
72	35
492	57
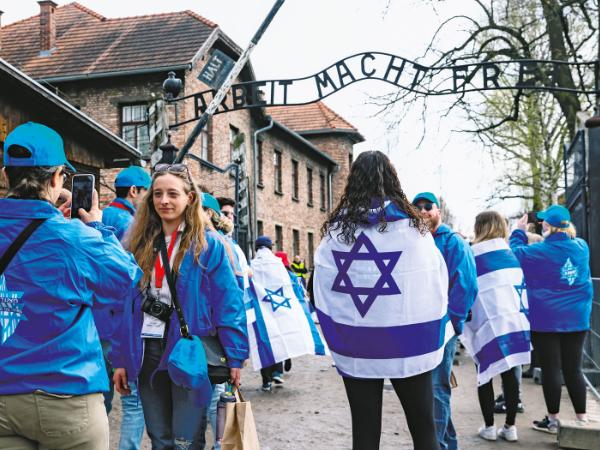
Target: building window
294	180
311	249
309	185
295	243
134	126
259	228
259	162
277	172
323	192
235	142
278	238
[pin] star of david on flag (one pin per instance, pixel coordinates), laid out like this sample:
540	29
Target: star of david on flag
385	262
520	288
272	296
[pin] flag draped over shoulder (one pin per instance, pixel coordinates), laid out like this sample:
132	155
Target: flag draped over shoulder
279	324
382	300
497	336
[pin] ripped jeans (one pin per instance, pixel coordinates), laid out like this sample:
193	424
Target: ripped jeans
173	421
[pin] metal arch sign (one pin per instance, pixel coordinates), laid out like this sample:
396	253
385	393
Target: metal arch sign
538	75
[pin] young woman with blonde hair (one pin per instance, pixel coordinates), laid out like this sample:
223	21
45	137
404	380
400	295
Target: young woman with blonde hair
497	336
209	296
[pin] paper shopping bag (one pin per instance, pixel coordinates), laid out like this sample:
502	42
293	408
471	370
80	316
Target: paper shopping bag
240	429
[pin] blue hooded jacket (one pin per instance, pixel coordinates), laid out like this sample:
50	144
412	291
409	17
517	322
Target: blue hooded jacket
559	284
66	268
120	218
211	302
462	274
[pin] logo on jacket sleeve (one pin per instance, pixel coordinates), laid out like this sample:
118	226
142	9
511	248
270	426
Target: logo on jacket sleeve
568	272
385	262
11	310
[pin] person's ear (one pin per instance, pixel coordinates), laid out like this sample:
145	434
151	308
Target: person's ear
191	197
133	191
57	179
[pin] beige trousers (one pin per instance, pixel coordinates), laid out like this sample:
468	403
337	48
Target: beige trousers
42	421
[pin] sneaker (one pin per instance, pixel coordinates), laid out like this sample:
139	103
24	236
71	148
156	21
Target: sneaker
520	408
528	373
266	387
488	433
508	434
546	425
277	379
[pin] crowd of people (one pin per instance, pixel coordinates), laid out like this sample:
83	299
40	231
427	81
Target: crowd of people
113	301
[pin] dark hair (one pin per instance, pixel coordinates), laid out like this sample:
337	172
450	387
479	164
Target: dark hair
225	201
29	182
122	192
372	180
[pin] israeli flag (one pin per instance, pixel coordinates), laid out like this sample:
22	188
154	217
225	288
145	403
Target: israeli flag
279	324
497	336
382	300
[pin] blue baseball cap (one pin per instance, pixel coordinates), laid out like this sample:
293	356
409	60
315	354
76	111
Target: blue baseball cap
556	215
429	196
45	144
210	202
133	176
264	241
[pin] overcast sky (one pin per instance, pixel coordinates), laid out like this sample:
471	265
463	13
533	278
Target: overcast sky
308	35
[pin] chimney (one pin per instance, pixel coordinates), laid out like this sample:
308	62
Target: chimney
47	26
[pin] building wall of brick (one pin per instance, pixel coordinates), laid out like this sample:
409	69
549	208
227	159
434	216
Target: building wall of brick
280	208
340	148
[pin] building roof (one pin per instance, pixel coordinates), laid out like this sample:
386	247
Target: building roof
314	118
31	92
88	43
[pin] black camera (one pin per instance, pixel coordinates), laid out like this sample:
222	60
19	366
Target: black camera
156	308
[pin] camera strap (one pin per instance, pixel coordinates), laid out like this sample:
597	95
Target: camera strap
18	243
183	328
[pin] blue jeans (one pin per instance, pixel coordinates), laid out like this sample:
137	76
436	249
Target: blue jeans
446	434
132	423
173	420
108	396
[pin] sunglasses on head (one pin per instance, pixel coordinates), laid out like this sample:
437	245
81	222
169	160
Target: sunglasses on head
173	168
426	207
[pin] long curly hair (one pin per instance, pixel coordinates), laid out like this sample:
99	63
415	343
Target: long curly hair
141	240
372	181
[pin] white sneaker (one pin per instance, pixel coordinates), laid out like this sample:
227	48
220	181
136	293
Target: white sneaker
508	434
488	433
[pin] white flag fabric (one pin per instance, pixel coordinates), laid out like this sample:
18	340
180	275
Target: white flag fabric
382	300
279	324
497	336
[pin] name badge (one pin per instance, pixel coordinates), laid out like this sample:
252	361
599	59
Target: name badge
153	327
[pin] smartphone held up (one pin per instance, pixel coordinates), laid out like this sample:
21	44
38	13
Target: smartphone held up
82	193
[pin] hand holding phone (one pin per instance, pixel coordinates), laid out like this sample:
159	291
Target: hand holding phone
84	204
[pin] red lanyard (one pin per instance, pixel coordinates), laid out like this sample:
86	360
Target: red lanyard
120	206
159	270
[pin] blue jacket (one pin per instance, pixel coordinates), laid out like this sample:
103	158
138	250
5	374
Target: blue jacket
462	274
211	302
118	218
559	284
49	340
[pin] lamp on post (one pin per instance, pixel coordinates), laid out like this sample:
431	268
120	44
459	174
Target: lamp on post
172	86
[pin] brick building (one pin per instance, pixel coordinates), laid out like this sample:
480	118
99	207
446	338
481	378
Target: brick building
113	70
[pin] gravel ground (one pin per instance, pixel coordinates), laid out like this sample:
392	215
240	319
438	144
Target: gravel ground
311	412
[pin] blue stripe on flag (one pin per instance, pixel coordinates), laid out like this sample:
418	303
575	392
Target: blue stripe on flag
265	352
503	346
319	346
383	342
495	260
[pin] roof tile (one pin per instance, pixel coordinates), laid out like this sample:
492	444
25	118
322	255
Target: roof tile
311	117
